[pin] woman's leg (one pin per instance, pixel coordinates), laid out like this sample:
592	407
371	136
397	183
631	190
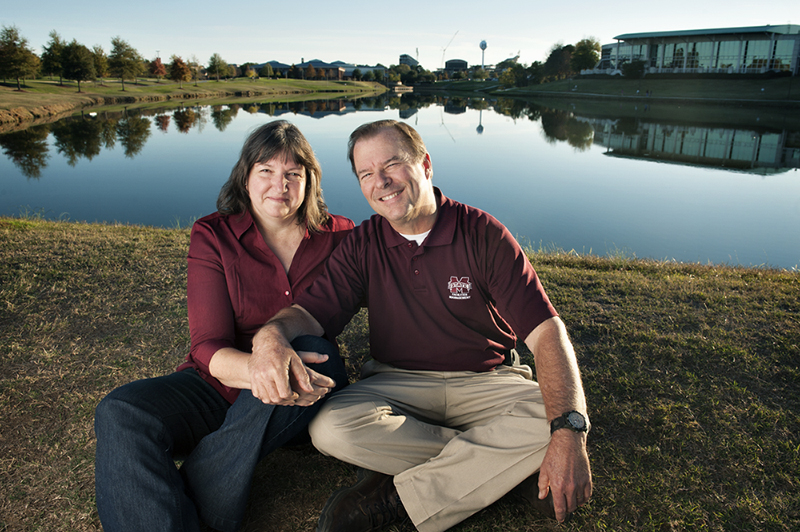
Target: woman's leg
140	427
219	471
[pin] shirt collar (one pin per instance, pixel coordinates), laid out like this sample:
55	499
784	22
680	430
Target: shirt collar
241	222
443	229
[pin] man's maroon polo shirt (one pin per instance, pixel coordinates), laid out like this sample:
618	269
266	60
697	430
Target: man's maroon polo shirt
452	304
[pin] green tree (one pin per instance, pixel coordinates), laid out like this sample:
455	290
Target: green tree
51	56
266	71
217	66
586	54
157	69
634	69
357	74
100	62
124	61
77	63
251	73
558	65
17	60
179	71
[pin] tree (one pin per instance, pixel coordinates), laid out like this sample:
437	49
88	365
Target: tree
179	71
217	66
196	67
157	69
311	72
557	65
266	71
357	74
586	54
77	63
251	73
100	62
51	56
17	60
634	70
124	61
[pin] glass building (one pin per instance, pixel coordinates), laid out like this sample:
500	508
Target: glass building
749	50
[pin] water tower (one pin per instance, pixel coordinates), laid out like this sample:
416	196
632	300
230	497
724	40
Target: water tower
483	51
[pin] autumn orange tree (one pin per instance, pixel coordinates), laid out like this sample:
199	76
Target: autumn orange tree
157	69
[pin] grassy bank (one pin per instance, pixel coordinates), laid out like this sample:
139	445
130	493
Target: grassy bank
45	97
692	375
778	91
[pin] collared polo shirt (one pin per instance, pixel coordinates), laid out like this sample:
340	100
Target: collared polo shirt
455	303
235	283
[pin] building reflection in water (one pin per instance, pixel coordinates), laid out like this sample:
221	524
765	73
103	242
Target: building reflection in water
747	150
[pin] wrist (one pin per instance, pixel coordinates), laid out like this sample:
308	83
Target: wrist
572	421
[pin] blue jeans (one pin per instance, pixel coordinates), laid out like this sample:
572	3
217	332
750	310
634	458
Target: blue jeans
143	426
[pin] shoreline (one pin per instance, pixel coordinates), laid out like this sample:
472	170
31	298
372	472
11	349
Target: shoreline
49	106
617	260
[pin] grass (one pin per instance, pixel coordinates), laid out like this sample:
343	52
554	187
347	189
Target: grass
692	375
754	91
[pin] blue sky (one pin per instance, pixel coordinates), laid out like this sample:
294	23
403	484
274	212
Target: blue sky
369	32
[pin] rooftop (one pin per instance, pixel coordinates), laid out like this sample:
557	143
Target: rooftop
782	29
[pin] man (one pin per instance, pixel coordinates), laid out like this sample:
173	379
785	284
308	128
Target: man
442	422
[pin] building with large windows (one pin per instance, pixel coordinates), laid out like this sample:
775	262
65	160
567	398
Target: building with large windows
748	50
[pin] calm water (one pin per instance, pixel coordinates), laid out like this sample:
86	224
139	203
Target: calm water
628	179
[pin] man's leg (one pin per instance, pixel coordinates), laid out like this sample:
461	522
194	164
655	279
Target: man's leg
389	421
219	471
393	422
504	439
140	427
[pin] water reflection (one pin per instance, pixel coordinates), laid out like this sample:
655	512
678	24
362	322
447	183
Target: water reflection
577	174
730	147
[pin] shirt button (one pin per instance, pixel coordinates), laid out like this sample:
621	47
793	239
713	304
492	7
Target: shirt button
286	293
416	272
409	244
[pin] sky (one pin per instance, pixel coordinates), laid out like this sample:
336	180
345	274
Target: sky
369	32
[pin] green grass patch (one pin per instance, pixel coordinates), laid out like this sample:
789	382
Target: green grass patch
692	375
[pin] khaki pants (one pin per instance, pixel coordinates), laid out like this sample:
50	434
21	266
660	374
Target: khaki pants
454	441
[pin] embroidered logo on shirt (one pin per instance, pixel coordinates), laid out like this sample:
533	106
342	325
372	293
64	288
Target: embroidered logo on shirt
459	288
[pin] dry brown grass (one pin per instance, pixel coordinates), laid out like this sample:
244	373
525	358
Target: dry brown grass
692	375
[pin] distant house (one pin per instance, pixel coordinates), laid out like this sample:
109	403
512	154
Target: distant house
278	68
745	50
331	71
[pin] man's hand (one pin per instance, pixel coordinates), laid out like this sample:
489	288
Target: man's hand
279	376
565	473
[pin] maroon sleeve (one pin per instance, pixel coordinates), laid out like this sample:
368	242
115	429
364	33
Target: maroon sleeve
513	283
211	315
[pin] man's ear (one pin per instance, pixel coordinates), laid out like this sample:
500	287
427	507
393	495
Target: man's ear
426	163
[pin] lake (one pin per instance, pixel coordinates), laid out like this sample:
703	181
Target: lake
692	184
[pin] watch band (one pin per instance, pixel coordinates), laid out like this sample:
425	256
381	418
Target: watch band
572	420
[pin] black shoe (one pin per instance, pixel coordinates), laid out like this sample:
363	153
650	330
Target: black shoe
368	505
528	491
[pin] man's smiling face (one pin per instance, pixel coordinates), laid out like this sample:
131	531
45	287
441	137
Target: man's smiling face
395	186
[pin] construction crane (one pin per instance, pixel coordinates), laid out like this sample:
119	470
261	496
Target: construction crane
448	44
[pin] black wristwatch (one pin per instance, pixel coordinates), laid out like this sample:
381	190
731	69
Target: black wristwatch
574	421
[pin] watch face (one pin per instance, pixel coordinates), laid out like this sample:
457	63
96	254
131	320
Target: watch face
576	420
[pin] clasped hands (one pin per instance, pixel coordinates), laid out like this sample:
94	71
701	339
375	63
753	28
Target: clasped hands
280	376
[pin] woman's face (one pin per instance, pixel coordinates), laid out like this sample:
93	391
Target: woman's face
276	189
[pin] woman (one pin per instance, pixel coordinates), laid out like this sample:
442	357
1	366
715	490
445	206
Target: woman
265	245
